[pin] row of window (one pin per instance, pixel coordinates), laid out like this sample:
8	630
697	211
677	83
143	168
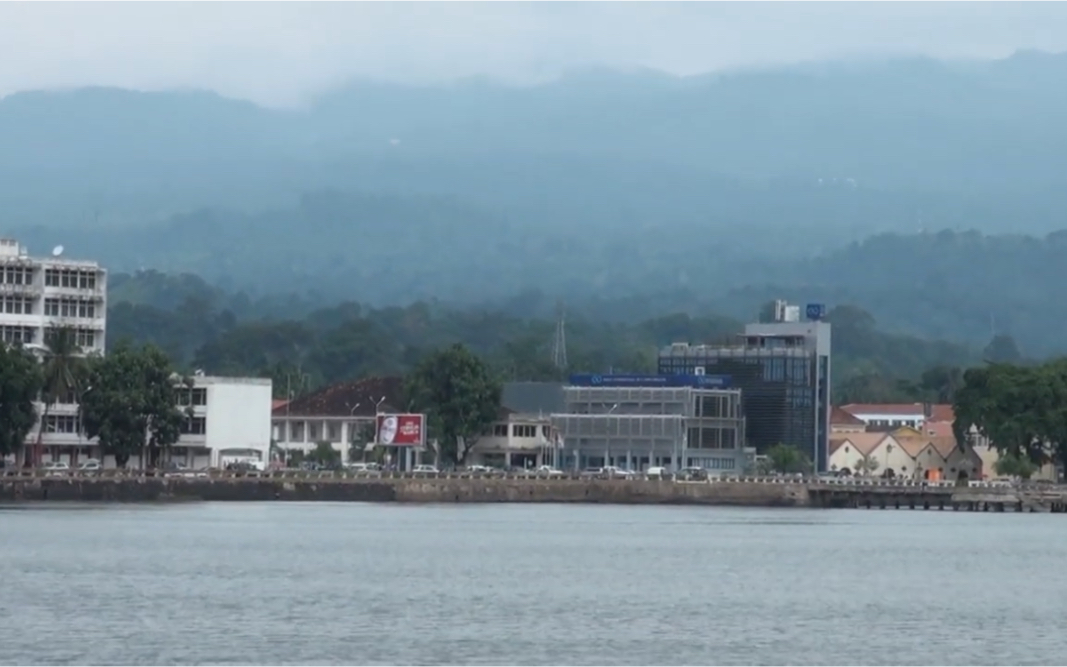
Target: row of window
711	438
16	275
83	338
713	463
195	396
520	430
15	334
194	426
17	305
71	424
62	424
69	308
77	278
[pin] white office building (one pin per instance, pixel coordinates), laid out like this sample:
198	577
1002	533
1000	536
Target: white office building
230	422
37	293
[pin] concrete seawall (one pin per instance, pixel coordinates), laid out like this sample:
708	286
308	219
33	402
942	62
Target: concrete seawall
454	490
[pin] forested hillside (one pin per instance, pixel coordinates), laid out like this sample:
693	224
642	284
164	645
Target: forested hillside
203	327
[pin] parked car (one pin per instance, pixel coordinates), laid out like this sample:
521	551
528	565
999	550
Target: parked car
591	473
657	472
548	471
479	470
90	465
424	469
693	475
56	468
363	467
614	472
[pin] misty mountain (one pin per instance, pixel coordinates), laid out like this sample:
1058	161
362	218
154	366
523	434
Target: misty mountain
829	182
941	145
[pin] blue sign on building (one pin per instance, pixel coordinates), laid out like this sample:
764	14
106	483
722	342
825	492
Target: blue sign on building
697	381
815	311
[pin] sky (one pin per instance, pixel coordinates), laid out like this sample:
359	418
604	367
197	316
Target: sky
279	54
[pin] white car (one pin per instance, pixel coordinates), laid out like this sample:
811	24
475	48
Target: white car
425	470
90	465
548	471
56	468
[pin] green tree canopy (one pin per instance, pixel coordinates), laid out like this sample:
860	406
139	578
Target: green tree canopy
1022	410
130	403
460	395
787	459
20	383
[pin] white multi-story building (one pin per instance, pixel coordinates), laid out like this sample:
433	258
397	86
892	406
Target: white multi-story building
230	422
38	293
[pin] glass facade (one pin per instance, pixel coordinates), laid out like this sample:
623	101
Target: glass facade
784	383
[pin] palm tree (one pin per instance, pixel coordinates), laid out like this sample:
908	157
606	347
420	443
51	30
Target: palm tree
61	367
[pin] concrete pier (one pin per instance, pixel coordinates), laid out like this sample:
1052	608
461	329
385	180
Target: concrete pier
754	492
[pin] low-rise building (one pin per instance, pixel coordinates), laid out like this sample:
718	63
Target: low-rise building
517	440
636	422
342	415
904	453
230	419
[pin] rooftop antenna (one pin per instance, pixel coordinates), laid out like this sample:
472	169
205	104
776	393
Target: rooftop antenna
57	251
559	345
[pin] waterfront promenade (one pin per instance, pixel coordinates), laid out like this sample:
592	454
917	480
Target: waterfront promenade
119	486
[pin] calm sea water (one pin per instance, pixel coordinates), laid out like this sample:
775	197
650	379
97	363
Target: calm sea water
285	583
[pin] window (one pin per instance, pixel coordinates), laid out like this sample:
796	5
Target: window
62	424
85	338
194	426
296	431
200	396
16	275
524	431
17	305
333	432
546	431
314	432
500	430
51	278
14	334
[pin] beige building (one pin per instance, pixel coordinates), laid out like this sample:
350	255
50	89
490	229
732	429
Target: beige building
517	440
905	453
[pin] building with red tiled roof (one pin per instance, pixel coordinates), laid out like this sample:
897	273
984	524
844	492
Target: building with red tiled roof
842	421
888	416
341	414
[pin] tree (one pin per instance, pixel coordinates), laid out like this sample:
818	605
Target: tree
130	403
324	454
460	396
1002	350
62	371
866	465
786	459
20	383
1014	465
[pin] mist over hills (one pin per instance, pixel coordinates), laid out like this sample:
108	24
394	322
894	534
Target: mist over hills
830	182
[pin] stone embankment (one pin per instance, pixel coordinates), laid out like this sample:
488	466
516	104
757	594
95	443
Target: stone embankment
456	488
399	489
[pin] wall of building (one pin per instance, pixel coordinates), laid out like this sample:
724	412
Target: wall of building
238	415
524	441
637	427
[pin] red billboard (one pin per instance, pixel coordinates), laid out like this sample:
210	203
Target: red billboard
405	429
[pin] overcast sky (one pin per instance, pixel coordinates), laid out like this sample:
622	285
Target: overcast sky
279	53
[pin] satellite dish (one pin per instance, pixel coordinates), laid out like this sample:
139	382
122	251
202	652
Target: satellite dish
57	251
